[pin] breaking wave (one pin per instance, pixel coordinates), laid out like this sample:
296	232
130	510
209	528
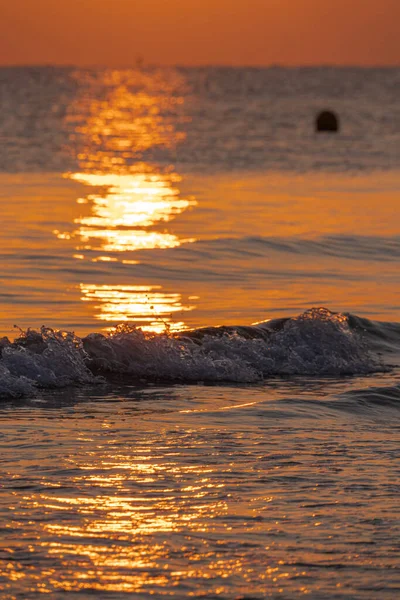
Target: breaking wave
318	343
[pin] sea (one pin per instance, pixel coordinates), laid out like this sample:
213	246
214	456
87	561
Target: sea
200	333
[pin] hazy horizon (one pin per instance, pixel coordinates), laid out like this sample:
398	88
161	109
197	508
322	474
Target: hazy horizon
144	64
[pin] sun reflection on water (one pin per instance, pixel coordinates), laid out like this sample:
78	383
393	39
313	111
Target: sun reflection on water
117	540
125	207
118	123
145	306
124	114
121	116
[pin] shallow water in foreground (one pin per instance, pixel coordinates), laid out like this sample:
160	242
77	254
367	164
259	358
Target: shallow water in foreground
273	491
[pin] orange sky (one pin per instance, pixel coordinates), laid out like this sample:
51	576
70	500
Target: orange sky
232	32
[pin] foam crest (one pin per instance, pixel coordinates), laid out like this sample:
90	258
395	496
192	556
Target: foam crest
12	386
321	343
317	343
164	357
45	359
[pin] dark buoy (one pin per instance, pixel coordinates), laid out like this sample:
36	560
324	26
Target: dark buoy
327	121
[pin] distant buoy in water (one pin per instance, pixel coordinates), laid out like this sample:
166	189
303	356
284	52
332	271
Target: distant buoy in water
327	121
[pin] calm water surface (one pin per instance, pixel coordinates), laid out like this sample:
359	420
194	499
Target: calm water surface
196	197
175	199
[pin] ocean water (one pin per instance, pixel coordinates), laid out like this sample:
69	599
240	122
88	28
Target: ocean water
199	374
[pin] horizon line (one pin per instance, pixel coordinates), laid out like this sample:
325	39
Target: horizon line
144	65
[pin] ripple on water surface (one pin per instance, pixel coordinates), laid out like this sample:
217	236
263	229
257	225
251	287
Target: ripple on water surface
271	491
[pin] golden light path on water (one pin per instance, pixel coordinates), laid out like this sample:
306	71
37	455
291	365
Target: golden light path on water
125	205
125	533
122	211
121	114
129	202
147	306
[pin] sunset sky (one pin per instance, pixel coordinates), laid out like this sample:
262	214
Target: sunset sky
200	32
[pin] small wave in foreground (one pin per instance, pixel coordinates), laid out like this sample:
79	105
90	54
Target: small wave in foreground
318	343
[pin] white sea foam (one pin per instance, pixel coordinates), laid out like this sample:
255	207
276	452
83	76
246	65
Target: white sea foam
49	359
12	386
317	343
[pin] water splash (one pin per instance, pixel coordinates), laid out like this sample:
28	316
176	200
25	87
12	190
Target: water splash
317	343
